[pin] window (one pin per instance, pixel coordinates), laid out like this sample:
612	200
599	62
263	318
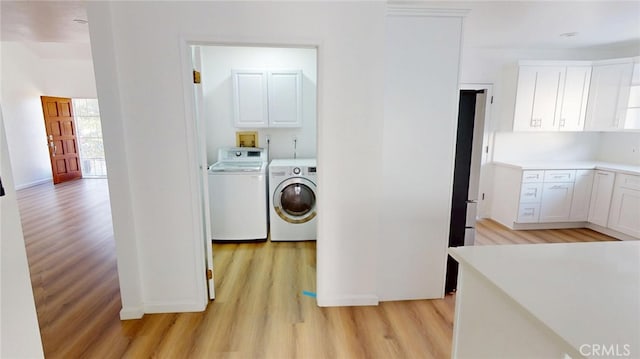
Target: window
89	135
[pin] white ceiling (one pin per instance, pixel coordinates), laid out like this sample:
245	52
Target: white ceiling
43	21
493	24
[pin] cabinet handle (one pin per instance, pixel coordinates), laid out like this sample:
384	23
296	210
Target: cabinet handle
558	187
528	212
536	122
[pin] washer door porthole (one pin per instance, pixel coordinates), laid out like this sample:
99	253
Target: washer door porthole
294	200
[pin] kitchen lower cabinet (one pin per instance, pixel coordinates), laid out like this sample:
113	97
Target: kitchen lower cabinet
625	205
581	196
601	197
607	201
556	202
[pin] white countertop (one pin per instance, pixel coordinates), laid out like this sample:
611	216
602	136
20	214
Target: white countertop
586	293
578	165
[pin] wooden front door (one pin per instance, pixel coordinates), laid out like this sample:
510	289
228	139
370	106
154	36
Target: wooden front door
61	138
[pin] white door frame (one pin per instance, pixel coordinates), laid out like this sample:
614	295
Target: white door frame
200	221
484	193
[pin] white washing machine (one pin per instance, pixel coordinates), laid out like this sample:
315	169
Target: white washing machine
292	193
238	194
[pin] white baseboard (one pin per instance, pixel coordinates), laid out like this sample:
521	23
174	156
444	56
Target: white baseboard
549	225
347	301
175	307
131	313
34	183
139	312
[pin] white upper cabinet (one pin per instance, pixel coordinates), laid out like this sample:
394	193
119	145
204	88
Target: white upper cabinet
538	95
632	121
609	96
574	100
551	96
267	98
250	98
285	99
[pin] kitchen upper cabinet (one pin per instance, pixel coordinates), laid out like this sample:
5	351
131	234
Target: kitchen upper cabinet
574	100
625	205
601	197
609	96
538	94
551	98
632	120
267	98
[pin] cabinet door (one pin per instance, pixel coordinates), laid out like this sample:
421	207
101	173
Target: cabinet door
625	205
285	98
528	213
608	96
530	192
250	98
601	197
538	97
581	196
556	202
574	99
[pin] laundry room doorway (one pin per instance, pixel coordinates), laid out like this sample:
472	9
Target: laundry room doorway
270	93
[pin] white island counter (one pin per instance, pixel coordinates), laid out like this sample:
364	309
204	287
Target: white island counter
548	301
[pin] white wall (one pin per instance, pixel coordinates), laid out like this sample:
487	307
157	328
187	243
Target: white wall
31	70
19	332
547	146
217	63
619	148
420	121
142	96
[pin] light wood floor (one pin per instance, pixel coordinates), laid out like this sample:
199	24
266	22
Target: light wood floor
259	311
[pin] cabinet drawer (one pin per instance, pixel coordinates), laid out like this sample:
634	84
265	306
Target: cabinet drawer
532	176
629	181
529	213
530	192
559	175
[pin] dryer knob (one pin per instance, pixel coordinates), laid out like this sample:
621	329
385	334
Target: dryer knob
296	170
238	154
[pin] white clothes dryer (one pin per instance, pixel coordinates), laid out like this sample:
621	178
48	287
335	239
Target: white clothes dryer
238	194
293	192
